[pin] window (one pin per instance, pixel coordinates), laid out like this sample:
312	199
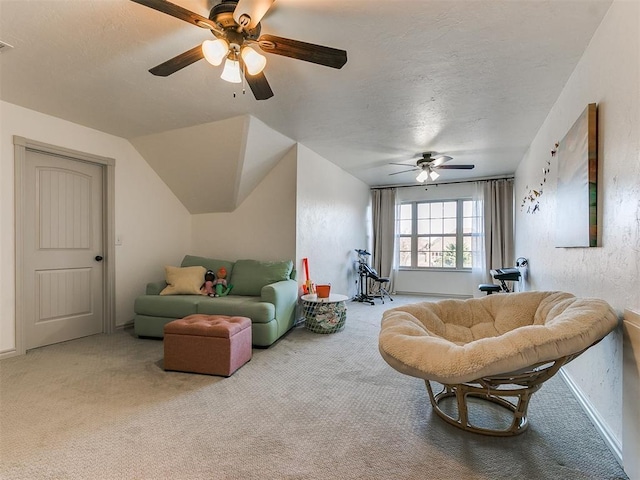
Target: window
436	234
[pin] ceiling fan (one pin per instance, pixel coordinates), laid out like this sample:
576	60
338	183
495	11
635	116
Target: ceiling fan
235	24
429	163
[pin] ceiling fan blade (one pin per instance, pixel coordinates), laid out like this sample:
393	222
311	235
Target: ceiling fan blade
440	159
401	164
248	13
259	86
177	63
178	12
404	171
309	52
455	167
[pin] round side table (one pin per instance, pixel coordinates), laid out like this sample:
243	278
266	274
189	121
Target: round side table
324	315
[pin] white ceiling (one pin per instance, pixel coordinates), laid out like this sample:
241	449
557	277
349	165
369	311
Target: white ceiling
473	79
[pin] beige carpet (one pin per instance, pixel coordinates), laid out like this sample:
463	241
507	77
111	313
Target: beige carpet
310	407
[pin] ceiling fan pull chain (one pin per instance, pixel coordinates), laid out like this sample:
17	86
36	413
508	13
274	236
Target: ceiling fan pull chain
242	71
244	78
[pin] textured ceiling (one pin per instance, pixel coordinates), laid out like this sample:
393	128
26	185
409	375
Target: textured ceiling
472	79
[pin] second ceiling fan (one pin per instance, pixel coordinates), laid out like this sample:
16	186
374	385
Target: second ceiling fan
429	163
235	24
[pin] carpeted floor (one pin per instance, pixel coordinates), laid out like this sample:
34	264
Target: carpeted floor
310	407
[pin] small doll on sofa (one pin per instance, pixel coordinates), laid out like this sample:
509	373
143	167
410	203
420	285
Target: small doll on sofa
208	287
220	283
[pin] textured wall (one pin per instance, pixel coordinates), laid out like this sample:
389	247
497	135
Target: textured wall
213	167
199	163
263	227
607	75
153	224
332	213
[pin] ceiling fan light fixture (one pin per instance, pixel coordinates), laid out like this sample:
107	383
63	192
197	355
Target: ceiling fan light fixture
231	72
254	62
215	51
434	175
236	24
422	176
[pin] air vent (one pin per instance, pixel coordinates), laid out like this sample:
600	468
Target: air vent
4	46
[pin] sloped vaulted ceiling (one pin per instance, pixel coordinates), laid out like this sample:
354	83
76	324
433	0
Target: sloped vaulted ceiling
213	167
473	79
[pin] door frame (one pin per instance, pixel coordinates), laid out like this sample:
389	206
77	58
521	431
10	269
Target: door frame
21	146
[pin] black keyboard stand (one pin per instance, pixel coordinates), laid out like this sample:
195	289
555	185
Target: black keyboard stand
366	273
363	290
503	275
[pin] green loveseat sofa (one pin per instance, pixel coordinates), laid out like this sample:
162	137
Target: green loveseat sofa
265	292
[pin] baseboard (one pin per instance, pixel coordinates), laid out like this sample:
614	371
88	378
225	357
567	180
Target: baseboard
443	295
128	324
601	426
8	353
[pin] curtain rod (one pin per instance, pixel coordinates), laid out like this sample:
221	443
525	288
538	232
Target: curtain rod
484	179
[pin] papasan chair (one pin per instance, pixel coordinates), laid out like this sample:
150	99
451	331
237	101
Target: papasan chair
498	348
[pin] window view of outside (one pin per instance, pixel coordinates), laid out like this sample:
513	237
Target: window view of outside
436	234
468	219
404	229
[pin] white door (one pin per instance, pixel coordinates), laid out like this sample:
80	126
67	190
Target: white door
63	222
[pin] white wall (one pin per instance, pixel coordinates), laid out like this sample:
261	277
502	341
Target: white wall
153	224
458	283
607	75
263	227
263	149
332	212
198	163
214	166
305	206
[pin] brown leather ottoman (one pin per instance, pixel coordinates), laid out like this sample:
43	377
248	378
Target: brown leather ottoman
210	344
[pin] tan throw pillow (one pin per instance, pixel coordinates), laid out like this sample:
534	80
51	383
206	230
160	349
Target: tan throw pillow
183	280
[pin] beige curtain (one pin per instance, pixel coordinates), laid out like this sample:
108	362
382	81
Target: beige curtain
383	202
498	223
493	236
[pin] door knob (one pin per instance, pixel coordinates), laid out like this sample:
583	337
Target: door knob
98	258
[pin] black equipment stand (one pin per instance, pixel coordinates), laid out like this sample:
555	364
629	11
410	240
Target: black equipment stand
511	274
365	272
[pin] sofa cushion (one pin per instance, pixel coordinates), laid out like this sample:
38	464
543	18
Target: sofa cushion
169	306
154	288
183	280
208	263
239	306
249	276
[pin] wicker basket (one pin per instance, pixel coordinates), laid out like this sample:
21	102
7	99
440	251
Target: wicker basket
324	317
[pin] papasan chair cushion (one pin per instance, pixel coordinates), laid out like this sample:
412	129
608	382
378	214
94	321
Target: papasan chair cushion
456	341
497	350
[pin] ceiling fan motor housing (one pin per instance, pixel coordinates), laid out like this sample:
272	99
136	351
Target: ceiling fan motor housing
222	15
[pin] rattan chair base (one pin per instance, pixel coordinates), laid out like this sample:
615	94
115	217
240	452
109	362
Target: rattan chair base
519	386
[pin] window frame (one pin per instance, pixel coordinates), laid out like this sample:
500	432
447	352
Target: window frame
414	236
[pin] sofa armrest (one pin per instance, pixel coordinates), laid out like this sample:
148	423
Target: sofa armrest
154	288
284	296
